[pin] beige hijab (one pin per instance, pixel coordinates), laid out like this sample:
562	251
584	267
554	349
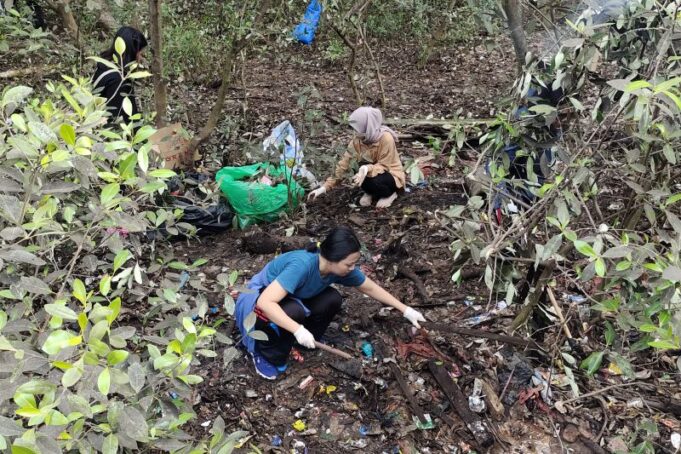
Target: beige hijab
368	123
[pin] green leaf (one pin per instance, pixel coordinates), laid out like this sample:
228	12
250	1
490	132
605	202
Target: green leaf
119	46
127	106
188	325
673	199
585	248
599	266
592	363
116	357
79	291
233	276
647	328
609	333
258	335
58	340
672	273
143	158
109	191
104	381
110	445
61	311
67	133
105	285
191	379
664	345
120	259
623	265
15	95
637	85
623	364
71	377
162	173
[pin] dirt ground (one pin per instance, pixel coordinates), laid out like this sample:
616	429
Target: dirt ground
405	246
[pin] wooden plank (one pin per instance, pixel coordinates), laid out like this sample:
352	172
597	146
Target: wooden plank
473	422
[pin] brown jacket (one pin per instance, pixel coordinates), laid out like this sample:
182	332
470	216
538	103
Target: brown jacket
382	155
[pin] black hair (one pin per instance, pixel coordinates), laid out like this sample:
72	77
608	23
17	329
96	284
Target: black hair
338	244
134	42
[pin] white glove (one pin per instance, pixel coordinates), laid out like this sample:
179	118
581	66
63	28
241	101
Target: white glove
304	337
414	316
316	193
358	179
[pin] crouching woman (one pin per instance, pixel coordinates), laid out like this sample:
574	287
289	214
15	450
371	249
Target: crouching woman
293	299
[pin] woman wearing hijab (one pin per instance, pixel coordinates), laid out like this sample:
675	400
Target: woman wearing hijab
111	83
380	174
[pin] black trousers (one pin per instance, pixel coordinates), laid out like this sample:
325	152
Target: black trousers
323	308
381	186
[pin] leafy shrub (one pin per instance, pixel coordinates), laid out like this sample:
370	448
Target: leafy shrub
77	203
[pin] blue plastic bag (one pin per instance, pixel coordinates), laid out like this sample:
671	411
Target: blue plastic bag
304	31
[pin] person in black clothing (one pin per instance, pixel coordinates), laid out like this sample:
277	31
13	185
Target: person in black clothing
110	83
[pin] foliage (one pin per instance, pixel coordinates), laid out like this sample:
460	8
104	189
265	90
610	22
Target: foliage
19	38
77	208
627	261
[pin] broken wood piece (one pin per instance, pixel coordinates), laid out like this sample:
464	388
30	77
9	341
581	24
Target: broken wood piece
496	408
357	220
406	390
473	422
559	312
511	340
411	275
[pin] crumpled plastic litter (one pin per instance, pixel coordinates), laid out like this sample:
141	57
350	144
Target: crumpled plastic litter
299	425
476	400
283	139
367	349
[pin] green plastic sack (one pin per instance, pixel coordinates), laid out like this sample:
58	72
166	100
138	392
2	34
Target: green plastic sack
254	201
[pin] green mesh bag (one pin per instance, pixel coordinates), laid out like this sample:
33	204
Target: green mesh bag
253	201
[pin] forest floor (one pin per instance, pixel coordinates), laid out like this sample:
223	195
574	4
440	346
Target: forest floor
407	251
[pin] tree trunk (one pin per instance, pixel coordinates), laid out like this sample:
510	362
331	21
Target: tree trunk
65	13
160	92
514	17
227	74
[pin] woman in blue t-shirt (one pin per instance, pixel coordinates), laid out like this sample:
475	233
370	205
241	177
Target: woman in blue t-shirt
293	299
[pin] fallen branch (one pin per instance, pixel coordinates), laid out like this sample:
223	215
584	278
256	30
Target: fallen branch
473	422
13	73
411	275
511	340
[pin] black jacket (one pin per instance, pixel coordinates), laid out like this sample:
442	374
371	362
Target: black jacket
114	89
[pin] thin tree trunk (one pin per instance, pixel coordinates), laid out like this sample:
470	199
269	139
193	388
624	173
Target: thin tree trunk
65	13
160	91
514	17
227	75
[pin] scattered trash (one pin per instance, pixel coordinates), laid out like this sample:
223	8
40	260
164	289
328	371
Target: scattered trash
428	424
367	349
253	201
299	425
329	389
276	441
184	278
539	380
360	444
577	299
305	31
306	381
345	328
251	393
501	305
676	440
173	395
363	430
514	375
476	400
297	444
469	301
205	423
268	397
297	356
283	140
635	403
473	321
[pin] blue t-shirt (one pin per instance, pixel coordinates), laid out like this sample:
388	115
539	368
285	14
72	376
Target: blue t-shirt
298	273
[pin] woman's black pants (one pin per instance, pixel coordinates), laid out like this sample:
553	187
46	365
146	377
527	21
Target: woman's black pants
323	308
381	186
